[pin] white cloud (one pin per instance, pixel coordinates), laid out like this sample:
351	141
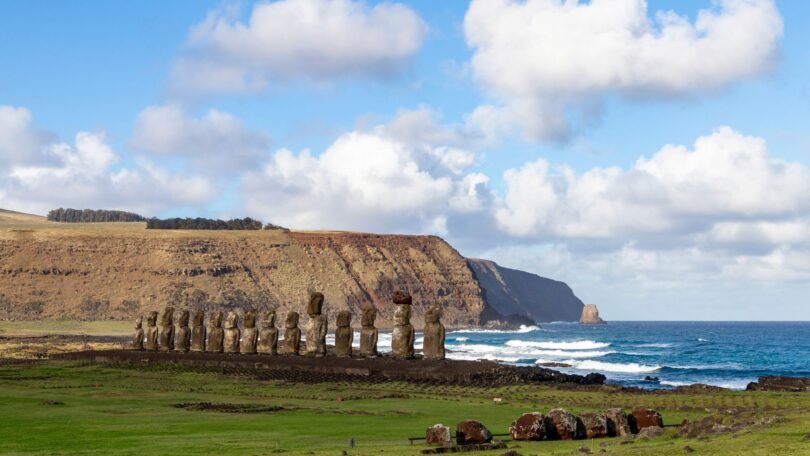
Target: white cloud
726	178
216	142
317	40
86	174
367	181
548	60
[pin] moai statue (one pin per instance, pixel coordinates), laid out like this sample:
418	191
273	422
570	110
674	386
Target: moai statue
137	339
292	335
231	342
268	335
344	334
250	335
403	334
151	342
368	333
316	331
433	347
166	333
198	331
182	334
213	343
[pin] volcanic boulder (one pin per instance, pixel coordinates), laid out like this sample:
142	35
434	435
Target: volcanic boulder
562	425
596	425
617	424
642	418
471	432
438	434
529	426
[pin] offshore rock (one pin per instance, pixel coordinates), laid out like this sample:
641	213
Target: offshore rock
470	432
529	426
590	315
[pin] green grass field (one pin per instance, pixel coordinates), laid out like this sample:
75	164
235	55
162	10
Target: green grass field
56	407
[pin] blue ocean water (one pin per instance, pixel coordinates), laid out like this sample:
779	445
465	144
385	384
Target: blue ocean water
727	354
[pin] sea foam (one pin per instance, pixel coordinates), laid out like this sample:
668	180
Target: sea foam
573	345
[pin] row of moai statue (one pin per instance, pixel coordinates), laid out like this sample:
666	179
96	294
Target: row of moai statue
164	336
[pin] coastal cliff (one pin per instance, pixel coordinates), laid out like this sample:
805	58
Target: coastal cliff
118	270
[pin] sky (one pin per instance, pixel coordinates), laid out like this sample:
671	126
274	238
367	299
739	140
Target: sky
654	155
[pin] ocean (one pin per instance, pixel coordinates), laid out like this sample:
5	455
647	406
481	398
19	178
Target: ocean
726	354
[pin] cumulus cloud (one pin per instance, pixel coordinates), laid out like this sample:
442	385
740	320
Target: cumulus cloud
315	40
369	181
549	61
216	142
85	174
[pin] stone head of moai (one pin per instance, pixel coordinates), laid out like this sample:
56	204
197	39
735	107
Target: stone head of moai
139	322
216	319
433	314
368	316
292	320
198	318
269	320
182	320
250	318
151	320
232	321
402	315
166	316
402	297
344	319
315	306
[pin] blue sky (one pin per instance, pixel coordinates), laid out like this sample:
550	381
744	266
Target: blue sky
421	117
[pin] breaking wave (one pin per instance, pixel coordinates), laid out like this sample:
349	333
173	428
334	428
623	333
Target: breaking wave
575	345
600	366
522	330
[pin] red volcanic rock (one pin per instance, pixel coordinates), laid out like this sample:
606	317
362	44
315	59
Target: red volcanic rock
401	297
470	432
562	425
642	418
438	434
617	423
529	426
596	425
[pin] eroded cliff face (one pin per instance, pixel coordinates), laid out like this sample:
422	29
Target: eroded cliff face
121	270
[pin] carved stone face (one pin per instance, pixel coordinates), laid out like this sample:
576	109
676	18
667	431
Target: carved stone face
344	319
402	297
250	318
232	320
315	305
402	316
216	319
292	320
269	319
139	322
166	316
182	320
434	314
368	317
151	320
199	317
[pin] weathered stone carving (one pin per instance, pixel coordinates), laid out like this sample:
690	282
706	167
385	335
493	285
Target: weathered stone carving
151	342
438	434
639	419
401	297
316	330
563	425
198	331
215	333
268	335
433	347
166	333
596	425
137	339
617	423
403	334
232	333
368	333
250	335
470	432
344	334
292	335
529	426
182	334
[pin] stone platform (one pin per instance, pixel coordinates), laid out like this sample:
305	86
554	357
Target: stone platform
315	369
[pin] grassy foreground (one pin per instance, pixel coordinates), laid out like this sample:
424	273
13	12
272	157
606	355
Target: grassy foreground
56	407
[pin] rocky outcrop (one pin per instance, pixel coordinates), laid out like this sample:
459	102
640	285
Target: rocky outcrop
523	297
779	383
64	271
590	315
